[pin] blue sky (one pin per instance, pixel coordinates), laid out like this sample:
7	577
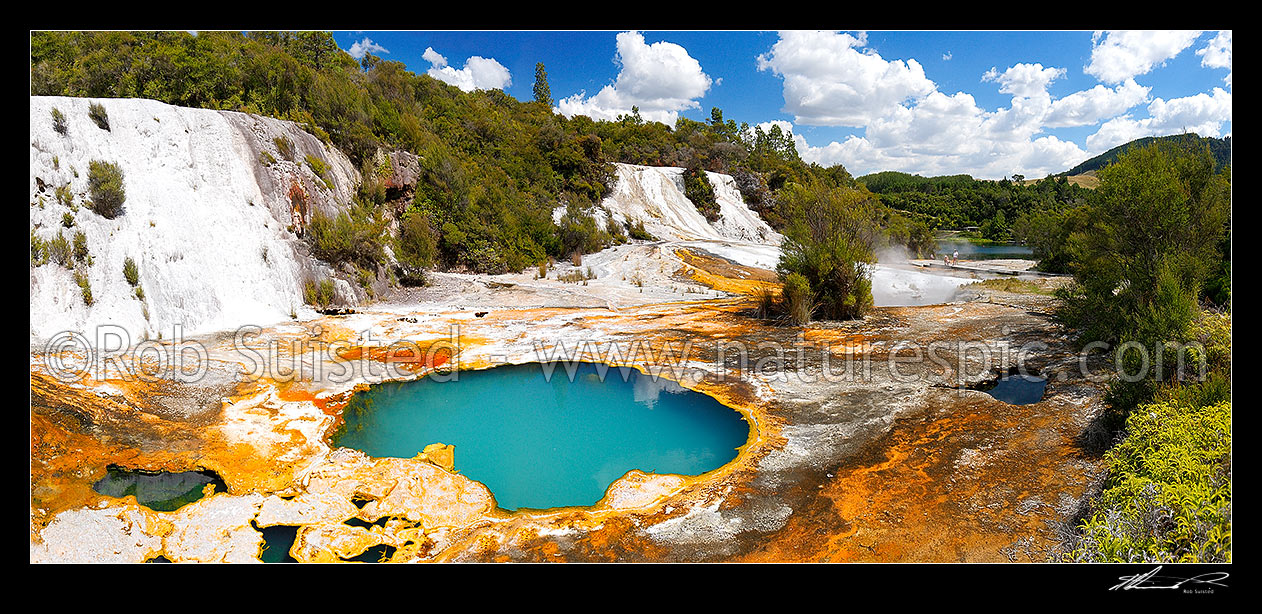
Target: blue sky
990	104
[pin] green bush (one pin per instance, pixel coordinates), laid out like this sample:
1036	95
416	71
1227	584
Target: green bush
319	293
39	250
418	247
697	189
130	271
85	289
59	121
1168	495
59	251
64	195
829	241
98	115
355	237
798	302
67	220
105	182
284	147
81	252
638	232
321	169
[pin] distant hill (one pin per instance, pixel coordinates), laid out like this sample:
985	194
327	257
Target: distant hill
1219	148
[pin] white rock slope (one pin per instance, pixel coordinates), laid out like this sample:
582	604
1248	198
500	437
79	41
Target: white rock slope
210	220
655	196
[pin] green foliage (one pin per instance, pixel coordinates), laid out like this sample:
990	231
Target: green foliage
637	231
39	250
130	271
97	112
67	220
140	294
59	121
697	189
321	169
64	195
543	93
913	234
320	293
798	302
355	237
1139	269
417	247
1220	149
830	241
85	288
266	159
580	233
81	253
1168	495
284	147
105	183
59	251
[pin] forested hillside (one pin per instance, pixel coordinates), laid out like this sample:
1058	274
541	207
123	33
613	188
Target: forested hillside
493	168
1220	149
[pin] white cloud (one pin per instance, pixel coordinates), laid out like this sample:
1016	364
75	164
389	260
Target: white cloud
828	81
946	57
1217	54
479	73
1203	114
1122	55
365	47
661	79
1088	107
1024	80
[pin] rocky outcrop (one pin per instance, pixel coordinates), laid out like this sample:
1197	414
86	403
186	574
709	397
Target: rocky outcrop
216	206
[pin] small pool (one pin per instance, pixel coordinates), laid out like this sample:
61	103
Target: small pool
160	491
540	442
1019	389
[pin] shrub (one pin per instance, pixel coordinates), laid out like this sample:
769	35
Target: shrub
697	189
284	147
85	289
105	182
59	121
320	294
418	247
81	247
266	159
354	237
638	232
67	220
798	302
1168	494
140	294
59	251
829	242
321	169
39	250
130	271
64	195
98	115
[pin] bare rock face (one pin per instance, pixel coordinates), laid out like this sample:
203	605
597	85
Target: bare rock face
216	205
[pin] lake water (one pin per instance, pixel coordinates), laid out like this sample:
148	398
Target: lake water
970	251
540	443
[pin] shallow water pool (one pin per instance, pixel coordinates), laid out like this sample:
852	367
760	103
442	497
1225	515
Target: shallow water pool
540	442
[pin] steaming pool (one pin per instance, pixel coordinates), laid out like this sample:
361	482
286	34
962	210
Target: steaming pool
539	442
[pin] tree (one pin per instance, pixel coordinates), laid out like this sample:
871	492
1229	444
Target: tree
1161	213
543	93
830	241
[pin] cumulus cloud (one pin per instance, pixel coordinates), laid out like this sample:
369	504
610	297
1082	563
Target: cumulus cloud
946	57
365	47
1091	106
479	73
1203	114
661	79
1120	55
828	81
1024	80
1217	54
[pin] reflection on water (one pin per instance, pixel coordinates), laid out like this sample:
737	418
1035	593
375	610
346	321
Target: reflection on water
538	443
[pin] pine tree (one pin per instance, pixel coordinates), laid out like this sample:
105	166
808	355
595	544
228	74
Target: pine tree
542	92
